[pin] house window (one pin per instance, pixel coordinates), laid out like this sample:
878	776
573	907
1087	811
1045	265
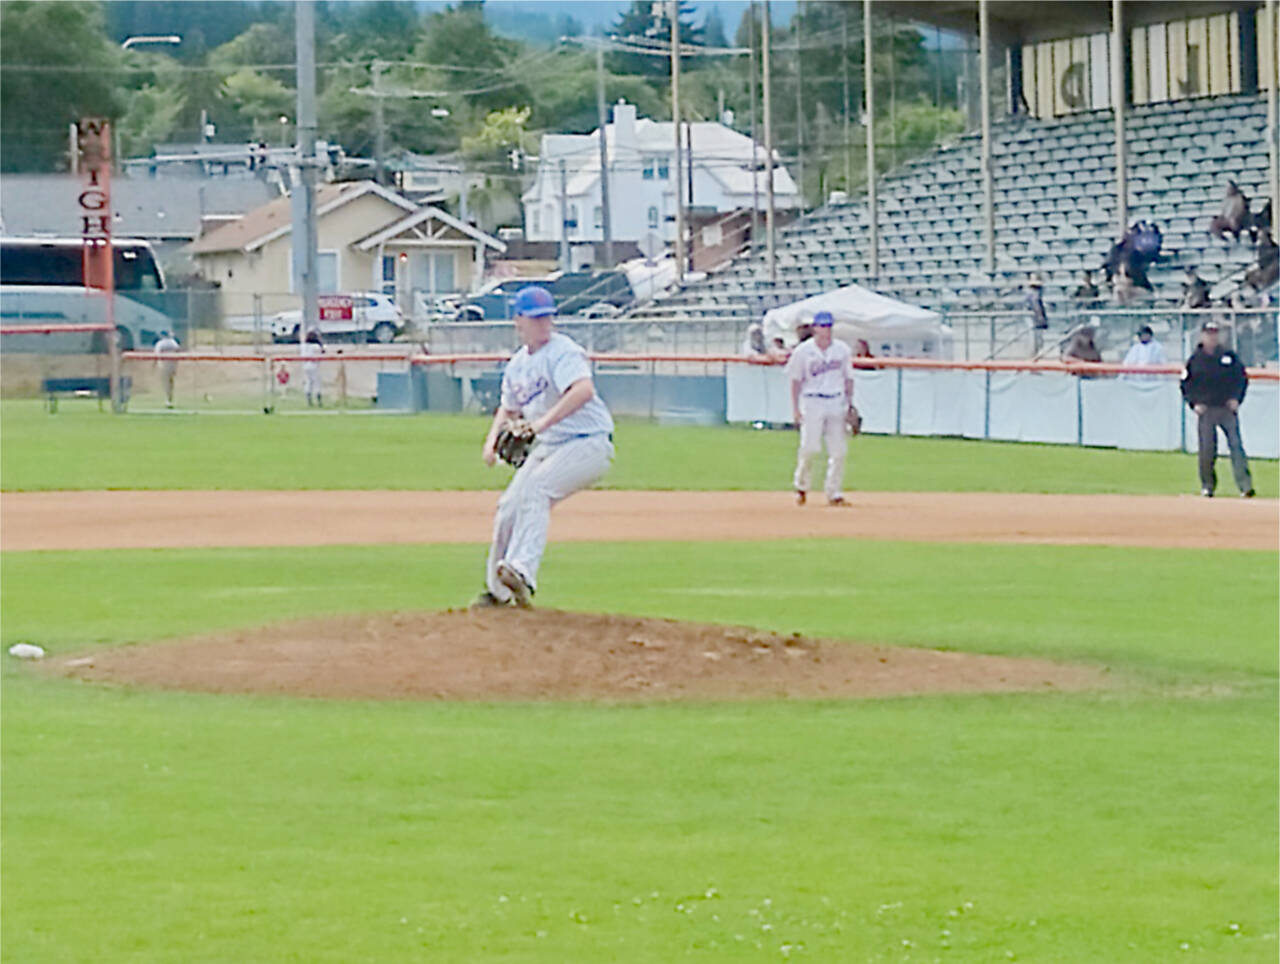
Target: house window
664	170
388	285
597	218
653	216
649	165
327	272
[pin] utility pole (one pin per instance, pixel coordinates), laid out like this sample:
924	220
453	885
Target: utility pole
769	222
755	137
564	217
873	216
799	104
606	218
379	124
306	280
674	7
844	67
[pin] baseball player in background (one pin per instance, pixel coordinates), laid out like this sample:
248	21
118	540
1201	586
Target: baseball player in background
167	345
821	375
548	384
311	349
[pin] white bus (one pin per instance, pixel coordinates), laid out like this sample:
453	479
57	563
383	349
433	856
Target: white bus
42	282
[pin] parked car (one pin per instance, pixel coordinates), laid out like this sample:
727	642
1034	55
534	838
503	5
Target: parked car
494	302
361	316
574	291
601	309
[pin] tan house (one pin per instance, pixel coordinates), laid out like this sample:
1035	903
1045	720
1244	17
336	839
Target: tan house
369	239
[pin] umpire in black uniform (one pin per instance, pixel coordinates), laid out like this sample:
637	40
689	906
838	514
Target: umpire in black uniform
1213	384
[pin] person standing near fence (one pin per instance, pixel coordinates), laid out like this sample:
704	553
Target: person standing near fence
312	348
167	345
1213	384
1036	314
821	375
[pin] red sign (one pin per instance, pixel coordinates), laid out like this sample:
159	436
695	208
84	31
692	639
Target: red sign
336	308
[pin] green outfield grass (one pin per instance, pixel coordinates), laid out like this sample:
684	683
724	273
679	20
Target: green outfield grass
1136	825
80	448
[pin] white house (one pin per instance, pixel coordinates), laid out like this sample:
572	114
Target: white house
642	190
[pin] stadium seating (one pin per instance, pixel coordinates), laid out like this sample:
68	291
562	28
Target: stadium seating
1055	214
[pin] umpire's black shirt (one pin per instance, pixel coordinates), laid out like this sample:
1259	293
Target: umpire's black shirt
1214	377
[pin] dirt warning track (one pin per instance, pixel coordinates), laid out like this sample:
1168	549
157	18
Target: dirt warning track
168	519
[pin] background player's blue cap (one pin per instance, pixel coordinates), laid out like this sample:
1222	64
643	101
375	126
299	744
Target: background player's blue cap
823	319
534	302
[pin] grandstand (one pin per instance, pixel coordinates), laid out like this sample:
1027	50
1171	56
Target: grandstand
1055	210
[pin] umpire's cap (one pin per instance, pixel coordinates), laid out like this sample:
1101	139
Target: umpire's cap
534	301
823	319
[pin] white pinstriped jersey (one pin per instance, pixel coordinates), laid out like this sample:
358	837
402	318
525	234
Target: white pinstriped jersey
533	383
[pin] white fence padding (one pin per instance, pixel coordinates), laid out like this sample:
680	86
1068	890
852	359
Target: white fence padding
1140	414
1033	407
943	403
875	393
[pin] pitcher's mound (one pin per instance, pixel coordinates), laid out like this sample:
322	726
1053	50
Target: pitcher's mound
510	654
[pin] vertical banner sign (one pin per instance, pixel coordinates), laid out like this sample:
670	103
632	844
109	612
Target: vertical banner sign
94	202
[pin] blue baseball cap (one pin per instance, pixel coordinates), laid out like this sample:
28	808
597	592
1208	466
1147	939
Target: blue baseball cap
534	302
823	319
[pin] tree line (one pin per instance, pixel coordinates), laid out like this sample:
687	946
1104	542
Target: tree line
449	82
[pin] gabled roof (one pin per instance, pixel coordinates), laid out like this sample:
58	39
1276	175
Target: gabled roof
264	224
153	208
428	212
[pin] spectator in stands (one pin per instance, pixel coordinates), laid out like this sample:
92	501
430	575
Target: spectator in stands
1087	294
1264	273
1195	292
1123	290
1135	252
1233	217
778	350
1037	316
1082	346
1260	222
804	331
1145	351
861	349
754	343
167	345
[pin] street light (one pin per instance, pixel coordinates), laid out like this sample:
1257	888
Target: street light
172	38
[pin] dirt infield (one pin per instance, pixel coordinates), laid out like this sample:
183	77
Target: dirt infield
549	655
117	520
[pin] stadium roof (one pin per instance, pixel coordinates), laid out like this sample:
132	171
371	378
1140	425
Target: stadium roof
1020	20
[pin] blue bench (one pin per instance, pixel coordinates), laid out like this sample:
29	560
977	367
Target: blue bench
83	386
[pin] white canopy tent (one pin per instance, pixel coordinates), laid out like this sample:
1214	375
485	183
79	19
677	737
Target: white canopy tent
890	327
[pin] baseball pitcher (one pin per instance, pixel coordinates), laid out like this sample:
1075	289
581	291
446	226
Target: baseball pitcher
558	433
821	375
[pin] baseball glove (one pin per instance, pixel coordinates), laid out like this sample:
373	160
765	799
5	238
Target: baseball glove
514	441
853	421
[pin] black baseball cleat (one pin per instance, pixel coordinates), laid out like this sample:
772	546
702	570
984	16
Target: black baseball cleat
1248	494
1207	493
521	592
487	600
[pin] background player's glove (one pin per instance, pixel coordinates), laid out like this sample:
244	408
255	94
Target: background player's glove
853	421
514	441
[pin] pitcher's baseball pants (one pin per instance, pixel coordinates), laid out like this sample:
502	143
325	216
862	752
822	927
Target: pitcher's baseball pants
822	420
551	474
